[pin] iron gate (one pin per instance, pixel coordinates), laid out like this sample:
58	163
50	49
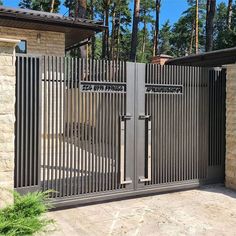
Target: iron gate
95	130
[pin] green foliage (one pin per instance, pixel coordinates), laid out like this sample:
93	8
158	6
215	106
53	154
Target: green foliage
183	30
165	38
145	37
24	217
176	40
147	8
70	4
144	50
25	4
40	5
224	37
1	2
121	19
98	47
125	42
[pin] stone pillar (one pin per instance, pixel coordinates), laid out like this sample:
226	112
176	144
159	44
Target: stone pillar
231	127
7	119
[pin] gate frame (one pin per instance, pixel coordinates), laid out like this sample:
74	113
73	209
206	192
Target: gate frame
134	165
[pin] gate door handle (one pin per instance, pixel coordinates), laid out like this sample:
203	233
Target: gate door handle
126	117
144	117
123	119
148	147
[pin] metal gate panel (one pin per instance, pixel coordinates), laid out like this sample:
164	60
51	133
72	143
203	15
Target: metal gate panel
217	120
85	126
27	125
172	124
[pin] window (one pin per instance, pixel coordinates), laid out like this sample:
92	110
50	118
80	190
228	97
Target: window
21	47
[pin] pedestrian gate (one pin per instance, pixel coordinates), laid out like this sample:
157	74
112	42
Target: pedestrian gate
95	130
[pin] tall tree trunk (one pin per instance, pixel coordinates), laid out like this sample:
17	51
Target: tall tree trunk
80	11
192	38
144	39
52	6
229	13
112	43
154	38
105	44
118	40
211	9
93	37
134	41
82	8
196	29
157	23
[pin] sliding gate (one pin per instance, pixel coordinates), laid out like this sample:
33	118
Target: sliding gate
95	130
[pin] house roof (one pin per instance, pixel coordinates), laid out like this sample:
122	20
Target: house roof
75	29
207	59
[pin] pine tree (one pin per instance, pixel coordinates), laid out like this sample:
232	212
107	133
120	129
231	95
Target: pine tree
165	38
121	19
81	8
134	40
40	5
125	42
105	45
80	11
183	30
70	4
156	33
224	37
25	4
91	13
211	9
229	13
146	10
52	6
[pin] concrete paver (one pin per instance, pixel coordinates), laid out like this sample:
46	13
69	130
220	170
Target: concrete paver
206	211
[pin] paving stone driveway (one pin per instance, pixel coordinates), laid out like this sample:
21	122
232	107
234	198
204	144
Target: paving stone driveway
207	211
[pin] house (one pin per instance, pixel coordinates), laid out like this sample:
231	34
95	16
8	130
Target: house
34	34
42	33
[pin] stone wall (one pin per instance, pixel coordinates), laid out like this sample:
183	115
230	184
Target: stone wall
231	127
7	119
38	42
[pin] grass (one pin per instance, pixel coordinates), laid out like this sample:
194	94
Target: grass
25	216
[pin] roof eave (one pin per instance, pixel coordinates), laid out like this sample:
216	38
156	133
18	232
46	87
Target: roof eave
213	58
58	22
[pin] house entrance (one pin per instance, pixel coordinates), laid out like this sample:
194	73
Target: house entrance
98	130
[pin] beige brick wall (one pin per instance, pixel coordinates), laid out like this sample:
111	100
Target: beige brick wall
7	119
231	127
38	42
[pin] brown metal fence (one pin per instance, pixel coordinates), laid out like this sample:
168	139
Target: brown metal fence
217	120
27	126
179	125
94	130
80	146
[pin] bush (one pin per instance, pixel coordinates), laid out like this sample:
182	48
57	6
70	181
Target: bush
24	217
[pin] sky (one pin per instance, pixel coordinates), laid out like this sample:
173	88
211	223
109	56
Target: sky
170	9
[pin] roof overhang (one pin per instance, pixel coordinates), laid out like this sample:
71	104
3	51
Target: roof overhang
76	30
208	59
